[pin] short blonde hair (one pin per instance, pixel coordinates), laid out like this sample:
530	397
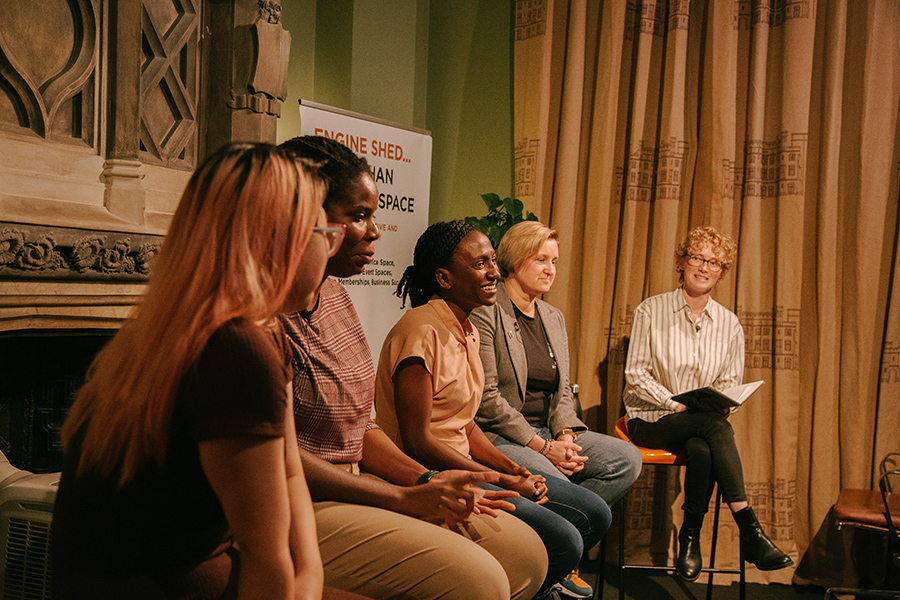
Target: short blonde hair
520	243
723	246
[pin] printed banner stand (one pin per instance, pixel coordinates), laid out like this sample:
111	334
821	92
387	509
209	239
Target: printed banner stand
400	158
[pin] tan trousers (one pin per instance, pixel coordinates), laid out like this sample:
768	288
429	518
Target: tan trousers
386	555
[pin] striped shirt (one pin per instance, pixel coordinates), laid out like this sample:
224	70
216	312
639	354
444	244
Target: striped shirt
668	354
334	378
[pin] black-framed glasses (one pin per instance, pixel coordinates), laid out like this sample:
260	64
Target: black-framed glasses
711	263
334	236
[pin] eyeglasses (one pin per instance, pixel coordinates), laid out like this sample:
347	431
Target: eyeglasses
334	236
712	264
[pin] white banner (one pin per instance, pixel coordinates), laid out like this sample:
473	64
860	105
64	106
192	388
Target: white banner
401	165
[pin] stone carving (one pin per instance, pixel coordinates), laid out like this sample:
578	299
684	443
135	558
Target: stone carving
42	84
74	254
11	243
270	11
170	83
39	255
271	47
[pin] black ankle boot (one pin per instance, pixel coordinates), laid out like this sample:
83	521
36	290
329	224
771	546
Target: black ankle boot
689	561
758	548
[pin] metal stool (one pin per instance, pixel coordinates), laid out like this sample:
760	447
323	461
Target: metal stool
652	456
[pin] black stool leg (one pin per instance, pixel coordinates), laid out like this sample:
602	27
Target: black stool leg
601	560
622	549
712	548
743	580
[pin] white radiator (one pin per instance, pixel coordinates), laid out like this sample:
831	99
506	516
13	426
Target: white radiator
26	510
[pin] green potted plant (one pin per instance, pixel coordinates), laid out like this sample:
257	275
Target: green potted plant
501	215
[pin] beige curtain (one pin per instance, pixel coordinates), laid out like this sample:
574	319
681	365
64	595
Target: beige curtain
775	121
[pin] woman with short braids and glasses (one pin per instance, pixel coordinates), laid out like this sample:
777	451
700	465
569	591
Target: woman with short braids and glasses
680	341
429	384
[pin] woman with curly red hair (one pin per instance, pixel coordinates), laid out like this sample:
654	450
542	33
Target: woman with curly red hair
681	341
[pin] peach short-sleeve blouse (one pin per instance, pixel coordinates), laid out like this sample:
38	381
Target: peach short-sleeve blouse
450	353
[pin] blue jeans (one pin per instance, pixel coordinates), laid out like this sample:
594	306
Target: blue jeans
571	522
611	468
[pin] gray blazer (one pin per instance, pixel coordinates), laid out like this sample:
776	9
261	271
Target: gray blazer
506	371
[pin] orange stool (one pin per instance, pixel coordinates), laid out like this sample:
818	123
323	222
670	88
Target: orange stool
653	456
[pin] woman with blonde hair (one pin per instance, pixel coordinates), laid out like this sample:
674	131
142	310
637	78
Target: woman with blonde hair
527	409
178	449
685	340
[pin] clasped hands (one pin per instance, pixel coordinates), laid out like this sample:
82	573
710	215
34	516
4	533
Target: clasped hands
451	497
563	453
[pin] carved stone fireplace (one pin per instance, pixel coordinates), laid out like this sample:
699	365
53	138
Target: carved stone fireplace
105	109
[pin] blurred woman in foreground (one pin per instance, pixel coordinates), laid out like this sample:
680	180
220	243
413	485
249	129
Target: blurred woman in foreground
179	447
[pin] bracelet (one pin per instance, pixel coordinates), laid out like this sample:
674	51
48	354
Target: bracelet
426	476
548	446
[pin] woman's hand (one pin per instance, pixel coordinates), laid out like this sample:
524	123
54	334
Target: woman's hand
486	501
563	453
533	487
450	497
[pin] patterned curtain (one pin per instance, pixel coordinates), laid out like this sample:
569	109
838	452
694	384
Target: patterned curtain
775	121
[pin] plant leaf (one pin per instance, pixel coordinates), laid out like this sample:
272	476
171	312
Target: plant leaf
513	206
492	201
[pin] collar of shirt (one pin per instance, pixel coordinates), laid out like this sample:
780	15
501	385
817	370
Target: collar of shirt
680	304
462	332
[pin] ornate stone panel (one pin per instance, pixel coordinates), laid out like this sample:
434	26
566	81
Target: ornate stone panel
37	252
49	94
170	82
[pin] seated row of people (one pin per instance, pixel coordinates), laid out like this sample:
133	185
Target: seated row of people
245	372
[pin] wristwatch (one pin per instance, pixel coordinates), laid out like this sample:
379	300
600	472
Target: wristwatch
567	431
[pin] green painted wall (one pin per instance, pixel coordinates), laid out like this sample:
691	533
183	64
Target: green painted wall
440	65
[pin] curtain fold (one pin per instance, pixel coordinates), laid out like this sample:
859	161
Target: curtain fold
777	123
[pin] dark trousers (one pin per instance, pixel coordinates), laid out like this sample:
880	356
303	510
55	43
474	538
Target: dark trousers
707	441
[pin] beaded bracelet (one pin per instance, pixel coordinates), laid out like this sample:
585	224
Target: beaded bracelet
548	446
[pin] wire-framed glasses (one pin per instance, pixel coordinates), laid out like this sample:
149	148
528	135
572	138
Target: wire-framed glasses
334	236
711	263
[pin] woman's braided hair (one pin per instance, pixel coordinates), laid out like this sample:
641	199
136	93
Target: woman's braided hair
433	251
340	166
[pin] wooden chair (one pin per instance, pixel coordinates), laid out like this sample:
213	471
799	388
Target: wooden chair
653	456
873	510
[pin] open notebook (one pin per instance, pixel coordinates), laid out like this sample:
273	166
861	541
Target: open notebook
703	398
